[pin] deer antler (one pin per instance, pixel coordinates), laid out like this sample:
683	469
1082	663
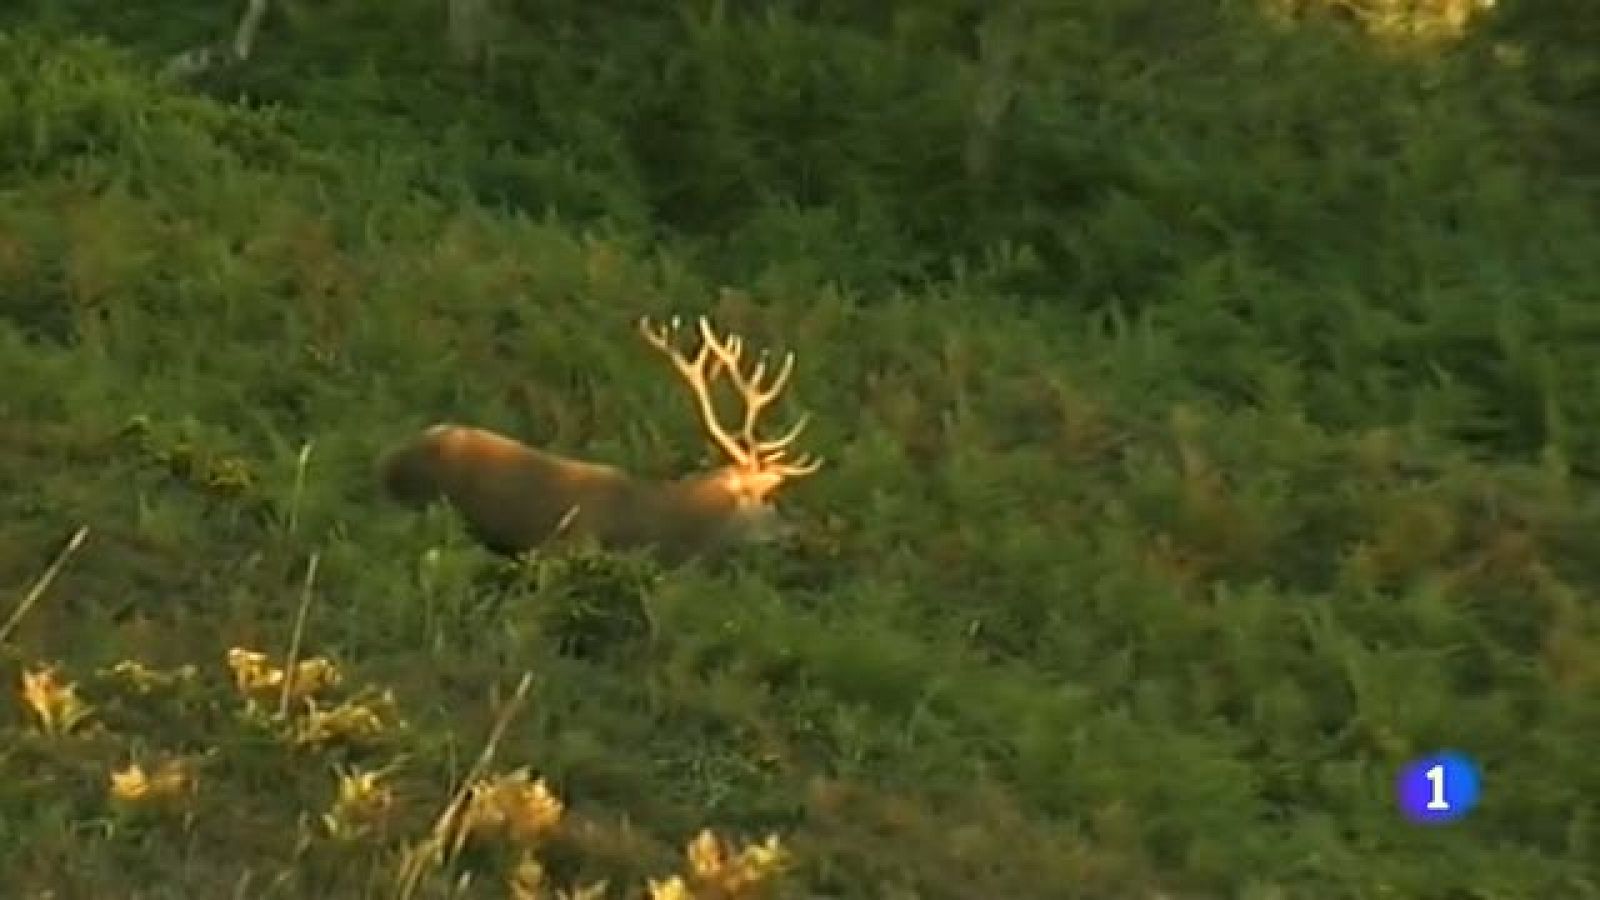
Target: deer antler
719	355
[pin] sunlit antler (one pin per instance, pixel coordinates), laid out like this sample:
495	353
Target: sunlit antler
718	355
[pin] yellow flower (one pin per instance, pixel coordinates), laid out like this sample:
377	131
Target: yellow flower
55	704
719	872
512	806
171	780
363	804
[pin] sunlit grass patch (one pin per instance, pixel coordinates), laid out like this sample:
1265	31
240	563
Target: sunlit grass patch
1428	23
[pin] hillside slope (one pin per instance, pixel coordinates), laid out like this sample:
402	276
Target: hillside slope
1224	442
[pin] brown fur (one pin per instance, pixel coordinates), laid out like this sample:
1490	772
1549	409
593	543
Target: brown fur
514	497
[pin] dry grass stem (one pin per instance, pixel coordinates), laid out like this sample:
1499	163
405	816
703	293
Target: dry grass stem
293	657
43	584
431	852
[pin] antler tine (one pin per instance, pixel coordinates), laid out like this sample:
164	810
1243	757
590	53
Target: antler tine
779	381
695	374
773	452
805	465
729	351
756	397
775	448
808	465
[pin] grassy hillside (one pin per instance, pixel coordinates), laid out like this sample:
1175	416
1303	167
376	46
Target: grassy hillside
1209	404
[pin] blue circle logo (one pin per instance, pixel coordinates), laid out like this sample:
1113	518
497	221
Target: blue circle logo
1440	788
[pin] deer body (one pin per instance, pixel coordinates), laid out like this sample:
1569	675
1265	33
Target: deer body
513	497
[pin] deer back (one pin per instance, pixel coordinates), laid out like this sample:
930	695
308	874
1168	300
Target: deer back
511	496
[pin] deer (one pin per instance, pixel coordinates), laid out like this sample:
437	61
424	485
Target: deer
514	498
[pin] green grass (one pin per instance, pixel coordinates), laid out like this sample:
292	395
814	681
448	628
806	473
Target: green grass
1224	442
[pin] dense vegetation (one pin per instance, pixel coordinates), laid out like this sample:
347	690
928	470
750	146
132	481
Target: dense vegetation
1209	394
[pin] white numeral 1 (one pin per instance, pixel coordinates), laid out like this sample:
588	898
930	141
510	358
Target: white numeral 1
1435	777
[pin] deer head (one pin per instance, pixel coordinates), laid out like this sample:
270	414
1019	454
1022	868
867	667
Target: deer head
756	468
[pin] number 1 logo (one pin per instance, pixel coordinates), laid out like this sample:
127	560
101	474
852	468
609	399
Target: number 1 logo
1439	788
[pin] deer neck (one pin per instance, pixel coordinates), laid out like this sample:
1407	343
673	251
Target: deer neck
703	511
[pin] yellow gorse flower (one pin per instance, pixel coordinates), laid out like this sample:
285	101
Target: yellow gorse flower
54	703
